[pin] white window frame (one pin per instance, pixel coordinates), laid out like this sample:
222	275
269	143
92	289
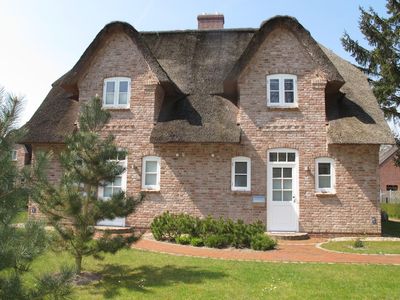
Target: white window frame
332	189
117	80
281	78
247	160
155	187
14	155
123	163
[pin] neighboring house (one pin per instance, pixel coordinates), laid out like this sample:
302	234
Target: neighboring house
389	173
257	124
20	155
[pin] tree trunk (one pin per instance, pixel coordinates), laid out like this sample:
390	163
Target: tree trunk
78	264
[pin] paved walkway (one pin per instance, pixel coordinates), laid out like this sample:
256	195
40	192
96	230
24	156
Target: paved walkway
288	251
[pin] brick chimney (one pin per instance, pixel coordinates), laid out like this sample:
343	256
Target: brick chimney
210	21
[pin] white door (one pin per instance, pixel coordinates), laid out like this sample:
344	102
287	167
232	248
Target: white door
109	189
282	190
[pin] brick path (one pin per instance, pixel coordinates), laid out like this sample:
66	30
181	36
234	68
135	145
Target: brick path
288	251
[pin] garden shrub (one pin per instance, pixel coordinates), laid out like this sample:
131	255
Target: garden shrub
216	241
392	209
216	233
164	227
358	244
262	242
183	239
196	241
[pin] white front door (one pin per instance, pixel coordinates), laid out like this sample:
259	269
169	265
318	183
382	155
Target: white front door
282	190
110	188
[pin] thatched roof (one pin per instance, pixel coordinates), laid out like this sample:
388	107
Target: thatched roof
55	118
386	152
354	115
198	71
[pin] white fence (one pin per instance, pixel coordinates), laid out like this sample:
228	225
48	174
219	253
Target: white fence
390	196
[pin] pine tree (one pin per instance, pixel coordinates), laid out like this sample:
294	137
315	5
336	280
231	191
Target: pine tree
382	61
72	206
20	246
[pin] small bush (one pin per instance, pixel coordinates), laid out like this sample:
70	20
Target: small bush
358	243
164	227
183	239
196	241
216	241
262	242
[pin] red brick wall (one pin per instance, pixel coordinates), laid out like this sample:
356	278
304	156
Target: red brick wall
389	174
196	178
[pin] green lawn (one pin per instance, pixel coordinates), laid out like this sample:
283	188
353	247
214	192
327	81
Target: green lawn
369	247
21	217
134	274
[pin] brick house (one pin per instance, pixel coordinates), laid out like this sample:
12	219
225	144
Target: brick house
257	124
389	173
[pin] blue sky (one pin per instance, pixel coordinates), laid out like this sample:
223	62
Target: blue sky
43	39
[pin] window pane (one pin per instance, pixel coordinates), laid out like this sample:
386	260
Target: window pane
274	84
289	97
117	181
150	179
277	184
240	180
276	173
287	196
107	192
324	168
116	191
287	184
288	84
109	98
273	156
110	87
291	156
123	86
276	196
324	182
151	166
241	167
274	97
287	172
123	98
282	156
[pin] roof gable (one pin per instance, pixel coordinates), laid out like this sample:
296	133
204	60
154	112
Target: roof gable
302	35
69	80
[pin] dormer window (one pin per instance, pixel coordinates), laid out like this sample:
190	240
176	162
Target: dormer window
117	92
282	90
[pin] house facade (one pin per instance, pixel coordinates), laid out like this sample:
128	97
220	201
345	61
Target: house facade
389	173
254	124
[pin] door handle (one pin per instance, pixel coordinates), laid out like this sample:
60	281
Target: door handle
294	199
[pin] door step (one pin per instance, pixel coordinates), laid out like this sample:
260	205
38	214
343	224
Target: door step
289	235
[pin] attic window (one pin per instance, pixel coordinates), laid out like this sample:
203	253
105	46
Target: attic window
117	92
282	90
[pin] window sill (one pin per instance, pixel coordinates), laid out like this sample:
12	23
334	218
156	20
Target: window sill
150	191
293	108
240	192
116	107
327	194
